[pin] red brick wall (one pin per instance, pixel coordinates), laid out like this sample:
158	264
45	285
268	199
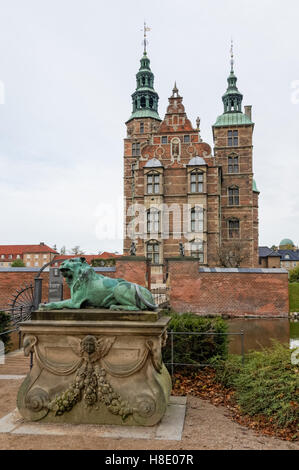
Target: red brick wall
133	270
227	293
11	281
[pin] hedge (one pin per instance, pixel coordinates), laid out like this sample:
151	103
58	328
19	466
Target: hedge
192	348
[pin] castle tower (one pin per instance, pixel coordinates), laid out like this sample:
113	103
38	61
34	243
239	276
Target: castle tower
233	151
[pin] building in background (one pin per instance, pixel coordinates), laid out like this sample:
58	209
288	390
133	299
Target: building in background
31	255
167	163
286	255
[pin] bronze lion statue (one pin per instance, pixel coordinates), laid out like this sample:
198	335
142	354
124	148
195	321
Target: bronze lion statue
89	289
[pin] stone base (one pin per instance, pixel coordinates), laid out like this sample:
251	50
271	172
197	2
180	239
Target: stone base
95	371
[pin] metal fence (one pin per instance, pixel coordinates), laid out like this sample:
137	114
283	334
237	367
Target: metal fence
21	315
161	296
172	333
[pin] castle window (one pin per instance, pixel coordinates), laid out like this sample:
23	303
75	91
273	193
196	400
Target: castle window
186	139
151	102
136	149
197	219
142	102
233	196
141	128
196	182
234	228
164	139
233	138
153	183
152	251
153	220
197	251
233	164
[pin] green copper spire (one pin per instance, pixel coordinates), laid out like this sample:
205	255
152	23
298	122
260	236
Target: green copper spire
145	98
232	98
232	101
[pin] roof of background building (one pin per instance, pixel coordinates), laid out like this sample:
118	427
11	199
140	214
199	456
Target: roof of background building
264	252
289	255
21	249
286	241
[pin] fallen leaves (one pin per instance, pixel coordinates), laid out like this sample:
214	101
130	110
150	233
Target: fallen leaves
203	384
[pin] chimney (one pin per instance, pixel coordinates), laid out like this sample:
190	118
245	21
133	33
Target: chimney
42	243
248	110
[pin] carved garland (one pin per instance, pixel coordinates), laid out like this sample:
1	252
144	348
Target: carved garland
90	383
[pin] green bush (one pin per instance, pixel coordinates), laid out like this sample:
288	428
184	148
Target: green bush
294	296
192	348
5	325
18	263
294	274
267	383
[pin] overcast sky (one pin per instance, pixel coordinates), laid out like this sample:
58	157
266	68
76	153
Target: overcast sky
68	69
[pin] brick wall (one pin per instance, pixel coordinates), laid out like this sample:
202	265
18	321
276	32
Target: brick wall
254	292
11	279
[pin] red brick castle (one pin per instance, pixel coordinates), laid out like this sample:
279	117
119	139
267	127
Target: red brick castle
195	201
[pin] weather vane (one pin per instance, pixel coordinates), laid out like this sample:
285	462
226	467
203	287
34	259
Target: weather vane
145	41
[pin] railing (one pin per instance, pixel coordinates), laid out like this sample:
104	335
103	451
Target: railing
20	314
172	333
160	295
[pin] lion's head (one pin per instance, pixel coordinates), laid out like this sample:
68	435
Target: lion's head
73	268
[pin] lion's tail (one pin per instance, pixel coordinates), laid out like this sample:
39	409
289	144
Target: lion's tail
143	299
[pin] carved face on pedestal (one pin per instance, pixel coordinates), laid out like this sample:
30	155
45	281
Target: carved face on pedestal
89	344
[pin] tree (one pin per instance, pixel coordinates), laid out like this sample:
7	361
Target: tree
77	250
232	254
294	274
18	263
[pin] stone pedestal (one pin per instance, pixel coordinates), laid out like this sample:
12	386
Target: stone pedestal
95	366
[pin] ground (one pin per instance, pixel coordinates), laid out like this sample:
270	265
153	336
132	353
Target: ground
207	427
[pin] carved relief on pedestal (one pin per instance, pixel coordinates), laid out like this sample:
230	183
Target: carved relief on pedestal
94	374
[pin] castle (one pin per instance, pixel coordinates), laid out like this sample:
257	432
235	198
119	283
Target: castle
182	198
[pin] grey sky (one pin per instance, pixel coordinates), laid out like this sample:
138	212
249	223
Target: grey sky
69	68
